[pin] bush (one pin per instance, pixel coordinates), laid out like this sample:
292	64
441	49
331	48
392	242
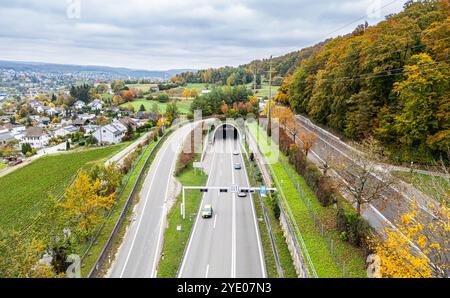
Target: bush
325	191
28	154
312	176
275	206
353	226
162	97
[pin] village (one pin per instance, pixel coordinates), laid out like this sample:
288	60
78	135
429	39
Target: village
49	123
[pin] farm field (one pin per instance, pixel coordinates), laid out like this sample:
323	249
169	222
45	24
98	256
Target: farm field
25	191
142	87
264	91
184	106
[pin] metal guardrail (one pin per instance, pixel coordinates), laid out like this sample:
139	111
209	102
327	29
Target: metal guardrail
109	243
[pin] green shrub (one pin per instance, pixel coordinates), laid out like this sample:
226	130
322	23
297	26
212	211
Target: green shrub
325	191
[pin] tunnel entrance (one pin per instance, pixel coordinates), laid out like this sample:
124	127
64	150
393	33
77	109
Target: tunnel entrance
226	131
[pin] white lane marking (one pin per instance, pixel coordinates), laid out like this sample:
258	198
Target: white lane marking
198	216
215	220
207	271
161	228
142	213
261	258
233	222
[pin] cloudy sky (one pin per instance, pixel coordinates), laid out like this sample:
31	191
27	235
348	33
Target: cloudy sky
166	34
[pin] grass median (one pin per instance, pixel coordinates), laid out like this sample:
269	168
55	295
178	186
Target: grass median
176	240
317	246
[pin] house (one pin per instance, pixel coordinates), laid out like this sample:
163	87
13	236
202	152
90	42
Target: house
111	133
80	122
42	109
67	130
6	137
79	105
90	129
65	122
126	121
36	137
97	105
34	104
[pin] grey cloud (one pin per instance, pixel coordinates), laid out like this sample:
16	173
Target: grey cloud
157	34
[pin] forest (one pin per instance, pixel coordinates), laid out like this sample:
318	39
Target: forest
389	81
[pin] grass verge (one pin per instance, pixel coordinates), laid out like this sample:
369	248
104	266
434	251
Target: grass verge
280	243
318	248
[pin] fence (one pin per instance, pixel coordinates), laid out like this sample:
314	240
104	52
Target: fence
292	233
317	222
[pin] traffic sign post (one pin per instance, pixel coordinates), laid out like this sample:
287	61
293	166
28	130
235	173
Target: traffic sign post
222	189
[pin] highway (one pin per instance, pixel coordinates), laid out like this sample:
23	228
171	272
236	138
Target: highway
228	244
139	253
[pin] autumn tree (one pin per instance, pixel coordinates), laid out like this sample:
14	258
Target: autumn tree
20	258
308	140
84	204
399	255
425	105
361	173
224	108
186	93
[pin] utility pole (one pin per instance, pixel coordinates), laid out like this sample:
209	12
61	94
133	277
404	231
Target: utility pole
269	120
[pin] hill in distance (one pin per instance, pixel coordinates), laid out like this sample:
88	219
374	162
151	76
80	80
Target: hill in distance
116	72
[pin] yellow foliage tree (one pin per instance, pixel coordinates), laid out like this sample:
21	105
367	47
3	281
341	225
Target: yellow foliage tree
160	122
186	93
84	203
194	92
399	258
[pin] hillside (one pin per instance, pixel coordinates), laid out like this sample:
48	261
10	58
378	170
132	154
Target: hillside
114	72
389	81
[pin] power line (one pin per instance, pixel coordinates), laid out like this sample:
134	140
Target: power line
357	20
379	75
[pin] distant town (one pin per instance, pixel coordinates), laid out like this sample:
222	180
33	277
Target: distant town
45	111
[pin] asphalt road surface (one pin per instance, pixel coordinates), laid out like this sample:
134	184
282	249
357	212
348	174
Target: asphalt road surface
228	244
141	248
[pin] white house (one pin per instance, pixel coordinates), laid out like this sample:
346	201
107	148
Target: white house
67	130
96	105
111	133
36	137
79	104
5	137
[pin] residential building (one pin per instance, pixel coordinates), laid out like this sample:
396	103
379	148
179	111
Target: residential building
36	137
111	133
